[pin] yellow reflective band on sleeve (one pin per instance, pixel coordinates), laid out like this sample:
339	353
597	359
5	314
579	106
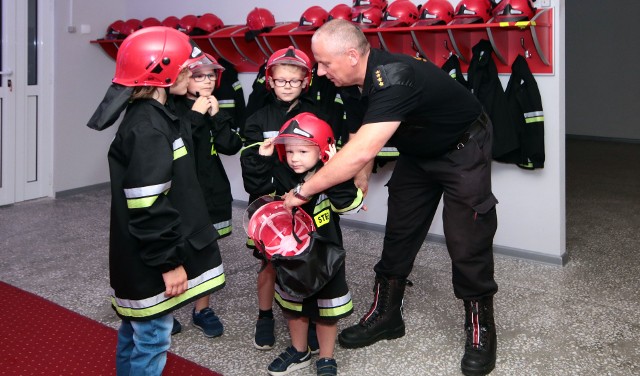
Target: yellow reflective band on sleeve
261	80
288	305
138	203
179	150
338	99
227	103
534	119
318	97
166	305
355	205
237	86
336	311
144	197
323	203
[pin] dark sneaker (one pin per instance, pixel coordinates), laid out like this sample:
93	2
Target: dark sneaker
326	367
289	361
207	321
312	339
264	337
177	327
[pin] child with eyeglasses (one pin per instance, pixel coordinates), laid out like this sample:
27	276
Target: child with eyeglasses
213	134
287	76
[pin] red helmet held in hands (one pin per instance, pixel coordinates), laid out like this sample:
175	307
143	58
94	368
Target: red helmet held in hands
341	11
154	56
472	11
312	18
514	10
366	18
259	19
435	12
275	230
307	129
289	56
400	13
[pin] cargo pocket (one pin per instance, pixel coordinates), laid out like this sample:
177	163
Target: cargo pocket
203	238
485	207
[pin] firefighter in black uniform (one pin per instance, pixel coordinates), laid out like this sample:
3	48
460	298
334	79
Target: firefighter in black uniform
444	140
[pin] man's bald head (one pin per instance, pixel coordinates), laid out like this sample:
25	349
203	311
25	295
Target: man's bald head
339	35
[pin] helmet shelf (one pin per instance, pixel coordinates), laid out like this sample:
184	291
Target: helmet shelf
532	39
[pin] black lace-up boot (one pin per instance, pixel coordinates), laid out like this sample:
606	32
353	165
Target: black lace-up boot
384	319
481	344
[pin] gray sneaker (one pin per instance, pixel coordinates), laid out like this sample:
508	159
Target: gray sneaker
289	361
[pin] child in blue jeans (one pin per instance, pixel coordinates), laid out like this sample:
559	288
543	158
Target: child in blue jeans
163	251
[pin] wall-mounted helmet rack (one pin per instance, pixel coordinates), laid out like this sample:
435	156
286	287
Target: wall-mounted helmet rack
532	39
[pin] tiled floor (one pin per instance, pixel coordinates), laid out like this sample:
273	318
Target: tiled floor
581	319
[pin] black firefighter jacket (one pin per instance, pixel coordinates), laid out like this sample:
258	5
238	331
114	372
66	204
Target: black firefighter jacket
158	216
212	136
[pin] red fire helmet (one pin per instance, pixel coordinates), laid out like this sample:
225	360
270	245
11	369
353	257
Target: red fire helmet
154	56
435	12
259	19
290	56
514	10
207	24
275	230
366	18
151	21
171	21
472	11
187	23
341	11
312	18
306	129
400	13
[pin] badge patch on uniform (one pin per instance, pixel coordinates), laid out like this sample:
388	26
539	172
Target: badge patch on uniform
322	218
391	74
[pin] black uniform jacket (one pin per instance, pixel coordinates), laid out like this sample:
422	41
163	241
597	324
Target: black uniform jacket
212	135
263	124
434	111
158	216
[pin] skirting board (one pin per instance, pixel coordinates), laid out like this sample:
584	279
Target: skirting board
522	254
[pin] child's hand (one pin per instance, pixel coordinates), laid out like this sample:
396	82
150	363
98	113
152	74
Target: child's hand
202	105
332	151
175	281
266	149
215	106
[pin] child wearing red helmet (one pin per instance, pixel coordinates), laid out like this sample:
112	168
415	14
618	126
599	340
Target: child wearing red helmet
163	252
287	77
319	293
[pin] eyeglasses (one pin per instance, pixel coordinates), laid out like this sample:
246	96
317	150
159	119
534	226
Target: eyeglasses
281	83
201	77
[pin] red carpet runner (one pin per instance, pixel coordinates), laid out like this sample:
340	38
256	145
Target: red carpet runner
38	337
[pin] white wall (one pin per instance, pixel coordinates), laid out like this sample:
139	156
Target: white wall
532	203
82	74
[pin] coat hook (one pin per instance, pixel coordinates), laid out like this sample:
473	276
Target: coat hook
446	47
527	54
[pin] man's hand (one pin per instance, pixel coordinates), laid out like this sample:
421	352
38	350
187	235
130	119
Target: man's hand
175	281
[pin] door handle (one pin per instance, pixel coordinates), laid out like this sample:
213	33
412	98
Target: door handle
7	72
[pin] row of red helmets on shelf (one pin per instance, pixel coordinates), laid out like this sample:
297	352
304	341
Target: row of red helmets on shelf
364	13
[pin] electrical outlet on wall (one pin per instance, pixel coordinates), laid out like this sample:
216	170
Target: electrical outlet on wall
543	3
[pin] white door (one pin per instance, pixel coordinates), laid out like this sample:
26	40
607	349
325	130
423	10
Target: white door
25	111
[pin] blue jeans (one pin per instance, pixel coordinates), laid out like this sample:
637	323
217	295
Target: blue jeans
142	346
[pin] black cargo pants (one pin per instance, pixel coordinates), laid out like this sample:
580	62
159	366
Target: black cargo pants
462	178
